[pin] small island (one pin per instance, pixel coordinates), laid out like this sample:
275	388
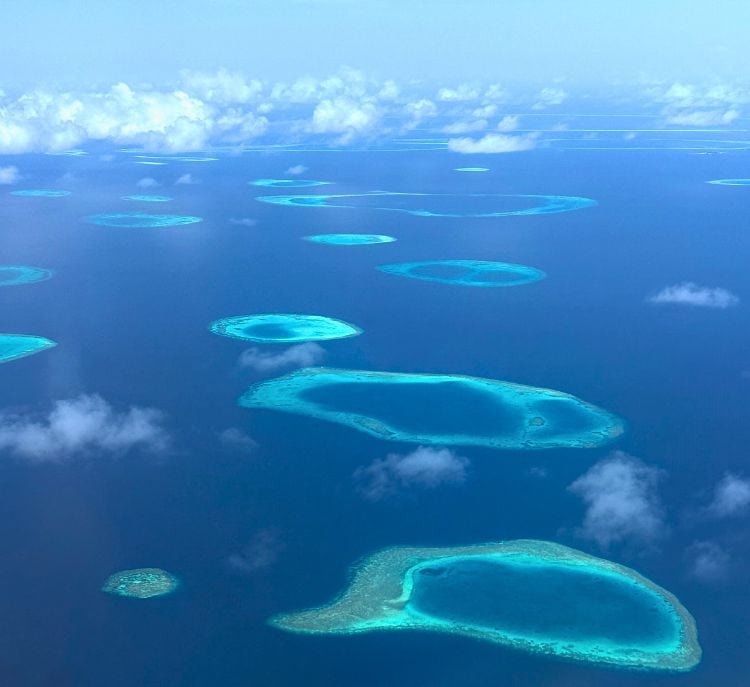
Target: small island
146	198
466	272
15	346
39	193
16	275
350	239
529	595
288	183
141	220
282	328
141	583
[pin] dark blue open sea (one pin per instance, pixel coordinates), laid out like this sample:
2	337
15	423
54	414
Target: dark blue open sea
130	310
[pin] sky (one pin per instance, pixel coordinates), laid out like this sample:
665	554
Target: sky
576	41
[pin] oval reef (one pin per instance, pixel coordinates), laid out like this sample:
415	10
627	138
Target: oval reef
278	328
141	583
466	272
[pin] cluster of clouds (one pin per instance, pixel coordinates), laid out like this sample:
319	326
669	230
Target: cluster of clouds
423	468
224	108
265	362
689	293
85	425
623	506
692	105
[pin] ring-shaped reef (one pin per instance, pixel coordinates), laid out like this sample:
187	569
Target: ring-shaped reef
145	198
439	409
40	193
281	328
471	169
141	583
15	346
535	596
175	158
350	239
15	275
140	219
443	204
466	272
288	183
731	182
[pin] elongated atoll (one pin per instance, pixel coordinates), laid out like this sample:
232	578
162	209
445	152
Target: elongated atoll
145	198
39	193
15	346
730	182
454	204
280	328
141	583
141	220
466	272
439	409
471	169
15	275
175	158
350	239
288	183
533	596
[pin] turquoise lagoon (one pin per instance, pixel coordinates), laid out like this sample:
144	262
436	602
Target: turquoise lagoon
731	182
141	583
529	595
439	409
350	239
40	193
14	346
471	169
440	204
466	272
15	275
141	220
280	328
144	198
288	183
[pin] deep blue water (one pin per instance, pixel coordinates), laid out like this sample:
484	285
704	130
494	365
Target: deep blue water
130	309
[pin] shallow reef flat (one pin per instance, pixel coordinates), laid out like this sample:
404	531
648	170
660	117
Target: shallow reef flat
288	183
535	596
466	272
471	169
439	409
145	198
283	328
350	239
141	220
15	346
15	275
730	182
141	583
440	204
39	193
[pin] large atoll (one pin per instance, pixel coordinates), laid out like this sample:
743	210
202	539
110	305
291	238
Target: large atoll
141	220
141	583
534	596
281	328
466	272
441	204
288	183
14	346
39	193
146	198
350	239
439	409
15	275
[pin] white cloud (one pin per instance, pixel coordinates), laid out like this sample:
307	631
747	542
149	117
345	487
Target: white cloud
147	182
223	87
548	97
296	170
465	127
82	426
689	293
9	175
492	143
708	561
461	94
344	116
186	180
260	554
237	439
622	502
419	110
301	355
484	111
731	497
425	467
704	117
508	123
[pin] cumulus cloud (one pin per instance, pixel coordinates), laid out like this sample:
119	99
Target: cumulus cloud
9	175
689	293
236	439
465	127
301	355
186	180
425	467
243	221
85	425
261	553
708	562
548	97
731	497
461	94
622	501
296	170
492	143
222	87
346	117
508	123
704	117
147	182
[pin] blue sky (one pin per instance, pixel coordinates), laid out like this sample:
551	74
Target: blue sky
80	43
